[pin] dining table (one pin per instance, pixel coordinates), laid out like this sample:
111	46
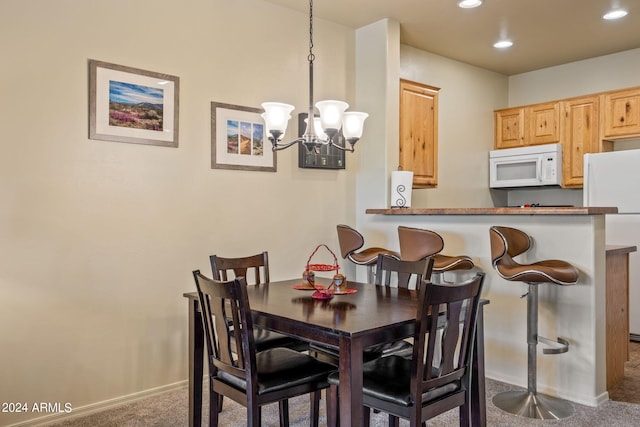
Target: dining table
363	316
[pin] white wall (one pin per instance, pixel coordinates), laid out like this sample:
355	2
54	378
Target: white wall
609	72
466	100
98	239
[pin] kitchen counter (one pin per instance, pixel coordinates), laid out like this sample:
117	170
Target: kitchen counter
576	313
497	211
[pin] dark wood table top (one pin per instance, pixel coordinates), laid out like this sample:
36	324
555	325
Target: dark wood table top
365	312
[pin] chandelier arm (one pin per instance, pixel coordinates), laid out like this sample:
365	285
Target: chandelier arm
275	146
340	147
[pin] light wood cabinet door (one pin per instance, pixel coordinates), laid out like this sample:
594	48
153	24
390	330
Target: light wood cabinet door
509	128
419	132
622	113
530	125
543	123
580	128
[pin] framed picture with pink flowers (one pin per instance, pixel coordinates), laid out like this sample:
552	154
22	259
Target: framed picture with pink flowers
132	105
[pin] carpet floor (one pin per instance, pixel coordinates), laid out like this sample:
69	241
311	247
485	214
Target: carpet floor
170	409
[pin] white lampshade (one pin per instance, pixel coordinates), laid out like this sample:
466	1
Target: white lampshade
353	124
276	116
331	114
317	127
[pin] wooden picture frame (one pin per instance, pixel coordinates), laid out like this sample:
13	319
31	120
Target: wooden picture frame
132	105
239	139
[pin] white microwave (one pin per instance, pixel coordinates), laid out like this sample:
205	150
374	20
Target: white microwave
532	166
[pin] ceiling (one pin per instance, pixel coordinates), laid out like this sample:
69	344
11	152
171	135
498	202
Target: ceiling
545	33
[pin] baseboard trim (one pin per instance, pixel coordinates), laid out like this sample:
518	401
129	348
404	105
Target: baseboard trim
634	337
100	406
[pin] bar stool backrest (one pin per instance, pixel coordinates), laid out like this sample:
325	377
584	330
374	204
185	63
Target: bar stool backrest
350	240
507	243
417	243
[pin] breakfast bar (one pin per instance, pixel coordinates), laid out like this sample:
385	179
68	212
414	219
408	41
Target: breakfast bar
576	313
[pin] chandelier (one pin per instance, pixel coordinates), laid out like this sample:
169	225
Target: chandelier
321	130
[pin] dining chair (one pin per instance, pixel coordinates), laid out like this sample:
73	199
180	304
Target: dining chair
240	372
405	274
255	270
389	271
425	386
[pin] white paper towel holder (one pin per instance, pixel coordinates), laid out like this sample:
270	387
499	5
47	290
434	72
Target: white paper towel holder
401	186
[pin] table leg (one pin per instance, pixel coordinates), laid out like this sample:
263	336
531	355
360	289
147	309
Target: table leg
350	389
478	396
196	351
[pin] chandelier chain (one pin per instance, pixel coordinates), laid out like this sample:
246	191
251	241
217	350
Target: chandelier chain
311	56
275	111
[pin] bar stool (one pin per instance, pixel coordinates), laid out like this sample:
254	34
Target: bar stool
507	243
350	241
417	243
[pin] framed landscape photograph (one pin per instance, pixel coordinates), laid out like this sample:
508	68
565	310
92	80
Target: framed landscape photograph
239	139
131	105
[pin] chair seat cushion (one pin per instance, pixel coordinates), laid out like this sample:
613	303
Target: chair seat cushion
548	271
280	368
389	379
265	340
369	256
442	263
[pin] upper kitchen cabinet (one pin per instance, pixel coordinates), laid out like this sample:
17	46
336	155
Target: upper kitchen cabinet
543	122
419	132
530	125
622	113
580	135
509	129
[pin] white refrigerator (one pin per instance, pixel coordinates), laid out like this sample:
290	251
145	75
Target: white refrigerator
613	179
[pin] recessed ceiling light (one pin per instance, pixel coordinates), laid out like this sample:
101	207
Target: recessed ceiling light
503	44
615	14
468	4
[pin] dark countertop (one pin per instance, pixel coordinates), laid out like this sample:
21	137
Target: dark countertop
620	249
497	211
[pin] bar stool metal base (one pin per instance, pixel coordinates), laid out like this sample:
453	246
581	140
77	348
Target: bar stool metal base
533	405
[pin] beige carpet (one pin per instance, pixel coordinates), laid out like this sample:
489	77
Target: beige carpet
170	409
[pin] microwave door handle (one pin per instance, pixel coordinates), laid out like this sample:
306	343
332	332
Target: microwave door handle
539	167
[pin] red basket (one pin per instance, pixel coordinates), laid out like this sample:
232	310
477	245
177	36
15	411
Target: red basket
323	267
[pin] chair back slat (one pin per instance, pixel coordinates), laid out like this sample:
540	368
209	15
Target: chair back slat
226	315
443	342
254	267
390	271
